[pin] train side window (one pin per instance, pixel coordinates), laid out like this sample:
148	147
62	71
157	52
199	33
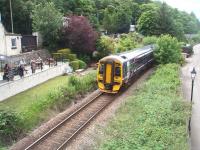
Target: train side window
101	68
125	69
117	71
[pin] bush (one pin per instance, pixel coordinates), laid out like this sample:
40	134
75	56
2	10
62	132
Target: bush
71	57
105	46
83	84
74	65
168	50
85	58
82	64
57	55
150	40
64	51
78	64
10	126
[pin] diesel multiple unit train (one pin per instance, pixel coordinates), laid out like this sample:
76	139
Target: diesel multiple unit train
115	71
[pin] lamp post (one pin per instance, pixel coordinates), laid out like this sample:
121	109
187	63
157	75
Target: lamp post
193	75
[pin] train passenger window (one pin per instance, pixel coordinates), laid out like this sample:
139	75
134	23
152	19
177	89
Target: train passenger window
101	69
125	69
117	71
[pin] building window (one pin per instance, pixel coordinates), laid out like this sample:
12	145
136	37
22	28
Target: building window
13	43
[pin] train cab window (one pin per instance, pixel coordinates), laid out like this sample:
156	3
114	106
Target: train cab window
101	68
117	71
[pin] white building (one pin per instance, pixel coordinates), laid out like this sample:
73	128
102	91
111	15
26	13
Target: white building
132	28
10	44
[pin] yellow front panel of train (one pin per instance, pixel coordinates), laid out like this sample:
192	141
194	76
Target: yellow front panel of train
108	73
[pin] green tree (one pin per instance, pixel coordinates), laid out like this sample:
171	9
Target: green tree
47	20
168	50
21	15
117	19
147	23
105	46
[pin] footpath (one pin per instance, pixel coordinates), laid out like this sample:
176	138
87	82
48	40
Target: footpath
11	88
194	61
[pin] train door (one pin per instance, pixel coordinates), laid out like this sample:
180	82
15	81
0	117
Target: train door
128	69
108	78
109	75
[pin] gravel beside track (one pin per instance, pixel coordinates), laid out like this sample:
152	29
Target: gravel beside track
92	132
37	133
60	135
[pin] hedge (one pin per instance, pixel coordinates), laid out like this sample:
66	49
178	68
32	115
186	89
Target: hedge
78	64
64	51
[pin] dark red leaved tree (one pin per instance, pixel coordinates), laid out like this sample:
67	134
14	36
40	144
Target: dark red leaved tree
79	35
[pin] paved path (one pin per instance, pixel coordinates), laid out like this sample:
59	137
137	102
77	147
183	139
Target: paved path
26	74
186	81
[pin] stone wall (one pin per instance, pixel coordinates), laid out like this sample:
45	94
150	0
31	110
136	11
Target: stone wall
14	87
29	56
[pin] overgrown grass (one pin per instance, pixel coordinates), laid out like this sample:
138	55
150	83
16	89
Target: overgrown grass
155	118
22	101
30	106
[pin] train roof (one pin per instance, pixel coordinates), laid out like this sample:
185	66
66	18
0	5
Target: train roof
125	56
136	52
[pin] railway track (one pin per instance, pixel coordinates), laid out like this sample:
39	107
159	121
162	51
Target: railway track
59	136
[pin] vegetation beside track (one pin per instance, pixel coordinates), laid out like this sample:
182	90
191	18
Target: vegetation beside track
155	118
26	110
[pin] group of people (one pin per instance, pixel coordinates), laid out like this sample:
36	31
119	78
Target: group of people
9	72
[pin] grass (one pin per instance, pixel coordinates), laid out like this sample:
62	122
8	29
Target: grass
155	118
22	101
28	109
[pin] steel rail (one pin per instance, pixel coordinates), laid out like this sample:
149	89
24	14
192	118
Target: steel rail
62	122
80	128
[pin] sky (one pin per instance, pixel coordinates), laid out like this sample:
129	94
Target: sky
185	5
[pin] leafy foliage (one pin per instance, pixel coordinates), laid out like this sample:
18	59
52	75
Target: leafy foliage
150	40
147	23
31	114
10	126
47	20
78	64
117	20
75	65
105	46
79	35
168	50
158	19
154	118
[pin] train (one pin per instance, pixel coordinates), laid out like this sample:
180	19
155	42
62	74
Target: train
116	71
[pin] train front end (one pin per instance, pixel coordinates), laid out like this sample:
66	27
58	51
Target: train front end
109	75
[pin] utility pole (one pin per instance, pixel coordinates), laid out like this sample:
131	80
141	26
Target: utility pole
11	16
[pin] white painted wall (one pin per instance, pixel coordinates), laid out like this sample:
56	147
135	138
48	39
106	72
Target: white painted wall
10	50
6	45
14	87
2	40
39	38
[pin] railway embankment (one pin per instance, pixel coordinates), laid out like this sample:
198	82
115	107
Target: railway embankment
154	118
23	112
